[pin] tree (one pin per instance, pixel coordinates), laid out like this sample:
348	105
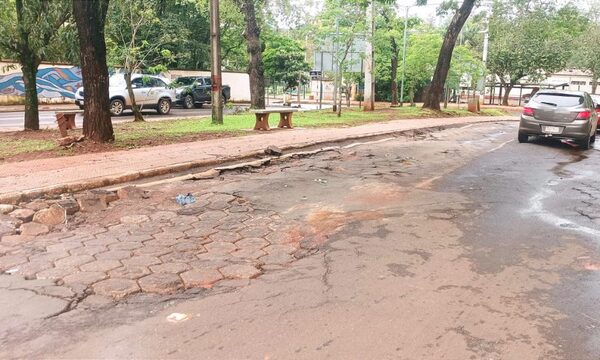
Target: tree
530	41
255	48
28	28
435	91
285	62
586	56
90	16
135	41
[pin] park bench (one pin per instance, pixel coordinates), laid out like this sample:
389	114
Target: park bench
262	118
66	121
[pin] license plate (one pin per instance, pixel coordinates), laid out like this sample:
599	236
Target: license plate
551	130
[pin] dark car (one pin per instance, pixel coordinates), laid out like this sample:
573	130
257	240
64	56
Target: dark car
194	91
560	114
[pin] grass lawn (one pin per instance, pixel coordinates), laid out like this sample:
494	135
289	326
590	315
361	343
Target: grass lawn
26	145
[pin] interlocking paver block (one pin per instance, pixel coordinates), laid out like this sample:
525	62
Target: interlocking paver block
225	236
231	225
133	272
85	277
202	231
126	245
48	256
142	260
153	250
280	248
163	215
134	219
210	216
220	247
208	264
179	256
101	265
74	261
240	271
278	258
88	250
187	246
252	243
255	231
56	273
28	270
248	253
172	268
116	288
201	277
64	246
9	261
169	234
161	283
114	255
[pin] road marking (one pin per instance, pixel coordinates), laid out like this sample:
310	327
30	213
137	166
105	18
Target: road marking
536	208
500	146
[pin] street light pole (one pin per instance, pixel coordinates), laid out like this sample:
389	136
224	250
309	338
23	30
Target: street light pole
369	60
215	62
404	57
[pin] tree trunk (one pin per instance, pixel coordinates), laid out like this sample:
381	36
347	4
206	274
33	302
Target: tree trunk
507	87
435	91
90	16
29	67
394	72
254	47
137	113
594	83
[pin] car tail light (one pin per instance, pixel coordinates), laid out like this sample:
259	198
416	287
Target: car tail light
584	115
528	111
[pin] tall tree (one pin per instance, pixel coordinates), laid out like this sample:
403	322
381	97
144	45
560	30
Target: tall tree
28	28
435	91
90	16
285	62
531	41
254	47
586	56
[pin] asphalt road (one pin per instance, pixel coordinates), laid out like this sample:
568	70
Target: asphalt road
456	244
13	121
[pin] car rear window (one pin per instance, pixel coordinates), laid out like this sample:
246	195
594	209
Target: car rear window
185	81
559	100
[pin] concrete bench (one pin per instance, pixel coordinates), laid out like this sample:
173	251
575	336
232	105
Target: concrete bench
66	120
262	118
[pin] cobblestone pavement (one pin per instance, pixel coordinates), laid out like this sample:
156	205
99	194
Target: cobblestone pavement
155	246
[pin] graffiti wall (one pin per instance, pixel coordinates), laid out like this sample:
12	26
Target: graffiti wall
52	82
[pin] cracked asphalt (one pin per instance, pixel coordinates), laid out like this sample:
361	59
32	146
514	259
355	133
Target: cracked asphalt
454	244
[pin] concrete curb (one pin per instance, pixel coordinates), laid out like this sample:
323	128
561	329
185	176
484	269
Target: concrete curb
27	195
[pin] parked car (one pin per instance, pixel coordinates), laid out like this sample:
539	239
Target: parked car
560	114
150	91
194	91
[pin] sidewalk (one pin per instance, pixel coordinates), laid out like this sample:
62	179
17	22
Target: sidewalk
34	178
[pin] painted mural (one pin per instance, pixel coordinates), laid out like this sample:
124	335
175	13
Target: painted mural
52	82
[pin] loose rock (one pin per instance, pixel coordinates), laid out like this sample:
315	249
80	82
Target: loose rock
89	202
25	215
273	150
132	193
51	216
6	208
34	229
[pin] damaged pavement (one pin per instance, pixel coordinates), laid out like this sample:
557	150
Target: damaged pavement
426	245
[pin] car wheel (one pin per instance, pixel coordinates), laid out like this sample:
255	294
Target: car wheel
188	102
117	107
585	143
198	105
593	138
523	138
164	106
81	107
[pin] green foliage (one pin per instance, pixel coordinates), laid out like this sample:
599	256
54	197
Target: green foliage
29	28
531	41
585	55
284	61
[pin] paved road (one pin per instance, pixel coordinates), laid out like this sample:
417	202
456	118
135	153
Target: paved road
457	244
13	121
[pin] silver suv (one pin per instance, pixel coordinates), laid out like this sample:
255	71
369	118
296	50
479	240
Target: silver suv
150	92
560	114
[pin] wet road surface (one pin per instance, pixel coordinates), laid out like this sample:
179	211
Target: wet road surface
455	244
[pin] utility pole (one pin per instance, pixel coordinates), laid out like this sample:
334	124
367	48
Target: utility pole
404	57
370	65
215	62
334	59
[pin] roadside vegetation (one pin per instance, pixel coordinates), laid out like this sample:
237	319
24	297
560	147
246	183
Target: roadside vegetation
17	146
